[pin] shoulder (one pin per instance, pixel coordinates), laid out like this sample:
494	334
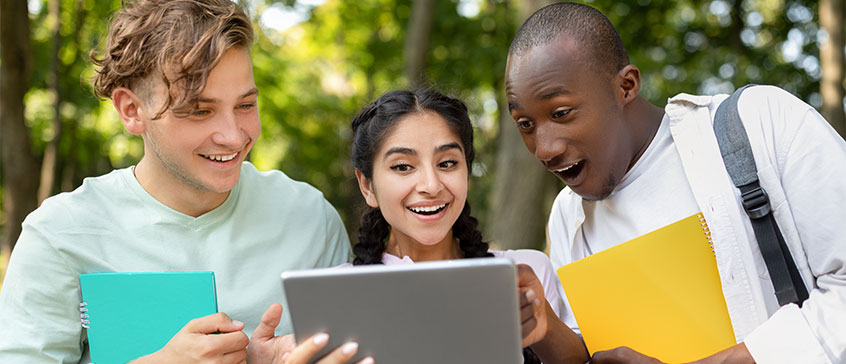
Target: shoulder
277	187
92	198
276	196
773	107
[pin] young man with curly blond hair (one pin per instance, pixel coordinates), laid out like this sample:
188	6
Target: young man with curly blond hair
180	76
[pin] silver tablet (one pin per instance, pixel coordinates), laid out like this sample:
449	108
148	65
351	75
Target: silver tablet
457	311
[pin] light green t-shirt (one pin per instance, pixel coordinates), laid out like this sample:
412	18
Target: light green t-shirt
268	224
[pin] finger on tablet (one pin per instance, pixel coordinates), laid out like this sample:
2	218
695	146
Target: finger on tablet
367	360
340	355
307	349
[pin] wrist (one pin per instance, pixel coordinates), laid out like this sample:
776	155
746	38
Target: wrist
559	343
737	354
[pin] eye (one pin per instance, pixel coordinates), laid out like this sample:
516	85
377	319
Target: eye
557	114
200	113
448	164
401	167
247	106
525	125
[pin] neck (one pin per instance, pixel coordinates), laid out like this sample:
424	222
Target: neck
646	120
402	246
171	191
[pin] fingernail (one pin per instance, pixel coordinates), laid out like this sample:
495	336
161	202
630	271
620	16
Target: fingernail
285	356
530	295
349	348
237	323
321	338
367	360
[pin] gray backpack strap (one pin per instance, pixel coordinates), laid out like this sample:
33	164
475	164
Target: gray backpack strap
740	164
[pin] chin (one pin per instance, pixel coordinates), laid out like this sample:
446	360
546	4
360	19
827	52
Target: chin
431	240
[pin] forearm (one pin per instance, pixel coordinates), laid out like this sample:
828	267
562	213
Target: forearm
736	354
560	344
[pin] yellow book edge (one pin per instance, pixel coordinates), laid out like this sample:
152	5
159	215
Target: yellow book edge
659	294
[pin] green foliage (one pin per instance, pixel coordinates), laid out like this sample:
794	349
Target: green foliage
313	77
709	47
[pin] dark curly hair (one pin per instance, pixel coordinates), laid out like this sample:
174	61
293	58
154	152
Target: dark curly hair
370	126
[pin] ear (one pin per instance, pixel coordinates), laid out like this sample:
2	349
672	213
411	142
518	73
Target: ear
130	109
366	187
628	83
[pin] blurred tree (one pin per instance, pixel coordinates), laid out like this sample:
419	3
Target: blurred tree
20	168
832	63
523	190
417	41
48	163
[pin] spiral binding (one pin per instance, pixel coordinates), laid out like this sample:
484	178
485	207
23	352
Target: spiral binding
707	231
83	315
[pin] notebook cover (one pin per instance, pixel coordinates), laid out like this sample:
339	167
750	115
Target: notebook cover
134	314
659	294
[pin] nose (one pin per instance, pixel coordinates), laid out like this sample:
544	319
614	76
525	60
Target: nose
429	182
228	131
548	143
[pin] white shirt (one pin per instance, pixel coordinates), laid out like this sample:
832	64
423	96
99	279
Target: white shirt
801	163
652	194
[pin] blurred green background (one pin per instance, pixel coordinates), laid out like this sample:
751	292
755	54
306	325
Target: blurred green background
318	61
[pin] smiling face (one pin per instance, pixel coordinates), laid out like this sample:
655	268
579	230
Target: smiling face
199	156
419	180
571	116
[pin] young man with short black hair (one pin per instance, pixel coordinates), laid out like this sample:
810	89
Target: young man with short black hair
632	167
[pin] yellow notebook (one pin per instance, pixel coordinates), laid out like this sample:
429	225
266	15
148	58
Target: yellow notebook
659	294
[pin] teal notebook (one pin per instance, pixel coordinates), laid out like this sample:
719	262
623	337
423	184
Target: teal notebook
130	315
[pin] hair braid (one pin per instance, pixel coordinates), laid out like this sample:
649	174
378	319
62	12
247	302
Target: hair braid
465	229
371	237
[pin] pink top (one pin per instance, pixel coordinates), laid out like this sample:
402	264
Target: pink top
538	261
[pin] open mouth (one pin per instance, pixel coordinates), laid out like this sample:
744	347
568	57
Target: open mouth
427	210
220	158
570	172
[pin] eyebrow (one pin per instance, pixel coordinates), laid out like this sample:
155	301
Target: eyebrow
211	100
399	150
545	96
552	93
409	151
447	147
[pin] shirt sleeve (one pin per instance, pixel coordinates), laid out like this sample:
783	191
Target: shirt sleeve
39	305
337	243
813	176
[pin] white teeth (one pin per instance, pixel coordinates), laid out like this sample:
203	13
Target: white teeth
427	209
221	158
566	168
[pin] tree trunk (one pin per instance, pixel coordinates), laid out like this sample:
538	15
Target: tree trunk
417	41
51	152
832	64
523	190
20	168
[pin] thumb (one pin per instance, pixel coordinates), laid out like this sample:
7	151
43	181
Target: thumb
218	322
525	275
269	321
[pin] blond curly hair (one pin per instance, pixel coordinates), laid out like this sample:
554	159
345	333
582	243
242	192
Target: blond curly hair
176	41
